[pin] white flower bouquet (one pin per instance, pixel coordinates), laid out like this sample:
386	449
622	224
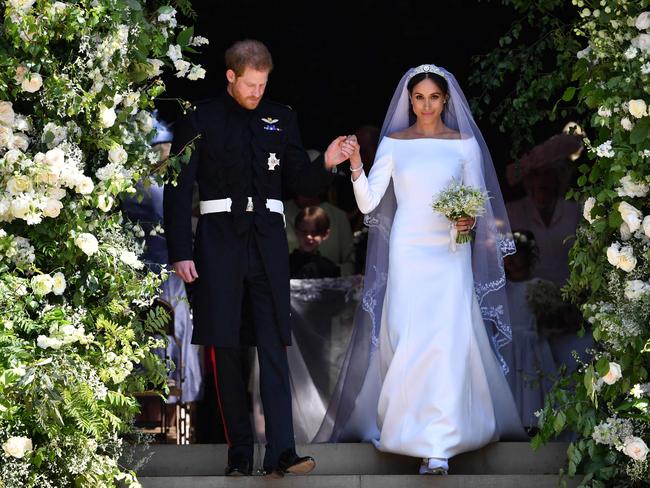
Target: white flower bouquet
458	201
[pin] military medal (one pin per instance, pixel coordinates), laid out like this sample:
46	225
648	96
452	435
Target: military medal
270	124
273	161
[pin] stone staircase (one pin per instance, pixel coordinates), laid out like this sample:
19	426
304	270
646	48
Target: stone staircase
499	465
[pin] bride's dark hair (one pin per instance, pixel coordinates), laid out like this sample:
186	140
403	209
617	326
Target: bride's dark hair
436	78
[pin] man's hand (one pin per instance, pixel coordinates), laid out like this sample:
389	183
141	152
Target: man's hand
338	151
186	270
465	224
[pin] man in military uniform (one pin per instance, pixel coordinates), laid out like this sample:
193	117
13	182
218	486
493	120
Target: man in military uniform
248	149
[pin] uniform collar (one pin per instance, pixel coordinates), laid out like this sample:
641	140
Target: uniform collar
232	104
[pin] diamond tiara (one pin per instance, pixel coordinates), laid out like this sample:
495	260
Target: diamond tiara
426	68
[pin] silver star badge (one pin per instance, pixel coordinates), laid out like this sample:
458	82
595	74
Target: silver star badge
273	161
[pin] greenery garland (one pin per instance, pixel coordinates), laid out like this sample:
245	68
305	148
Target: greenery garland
78	336
606	401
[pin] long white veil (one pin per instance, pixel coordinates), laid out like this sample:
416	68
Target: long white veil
492	242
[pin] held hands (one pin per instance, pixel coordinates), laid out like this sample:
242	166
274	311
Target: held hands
186	270
341	149
465	224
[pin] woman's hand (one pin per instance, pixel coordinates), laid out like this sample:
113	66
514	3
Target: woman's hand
355	158
465	224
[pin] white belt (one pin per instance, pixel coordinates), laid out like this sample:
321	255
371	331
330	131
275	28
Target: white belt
225	204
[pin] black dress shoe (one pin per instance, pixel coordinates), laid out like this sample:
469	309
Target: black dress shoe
239	467
290	462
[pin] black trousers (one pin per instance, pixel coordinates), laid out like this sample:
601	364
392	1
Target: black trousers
275	388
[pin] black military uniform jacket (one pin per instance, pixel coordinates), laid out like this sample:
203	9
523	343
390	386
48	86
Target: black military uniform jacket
236	157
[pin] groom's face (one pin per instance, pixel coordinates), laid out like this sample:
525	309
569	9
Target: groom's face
248	88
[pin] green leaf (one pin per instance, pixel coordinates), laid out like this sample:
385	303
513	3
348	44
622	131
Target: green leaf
640	131
569	93
559	422
183	39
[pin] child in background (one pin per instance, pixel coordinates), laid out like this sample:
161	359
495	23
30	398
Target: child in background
534	367
312	228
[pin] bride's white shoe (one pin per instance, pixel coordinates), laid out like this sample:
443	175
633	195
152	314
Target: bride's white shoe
434	466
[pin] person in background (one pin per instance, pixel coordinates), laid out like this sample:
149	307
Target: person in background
545	172
338	247
312	227
534	366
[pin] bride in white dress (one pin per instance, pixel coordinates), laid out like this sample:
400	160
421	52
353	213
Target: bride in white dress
442	388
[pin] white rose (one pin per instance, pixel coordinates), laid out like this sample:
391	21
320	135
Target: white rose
22	123
107	116
17	446
631	188
637	108
635	448
588	207
614	253
117	155
6	137
174	52
613	375
642	41
19	184
52	208
635	289
626	259
626	234
12	156
87	243
156	67
199	41
84	185
21	72
19	141
627	124
56	193
7	115
131	259
20	207
646	225
42	284
55	158
643	21
32	83
58	283
104	202
630	215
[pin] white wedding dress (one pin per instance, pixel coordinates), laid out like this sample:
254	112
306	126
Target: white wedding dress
442	389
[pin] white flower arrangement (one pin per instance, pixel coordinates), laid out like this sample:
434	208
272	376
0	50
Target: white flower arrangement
458	201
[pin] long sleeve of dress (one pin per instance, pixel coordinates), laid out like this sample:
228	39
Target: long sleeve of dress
473	165
369	190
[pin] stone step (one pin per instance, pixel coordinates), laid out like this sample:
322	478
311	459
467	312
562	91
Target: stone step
360	481
501	458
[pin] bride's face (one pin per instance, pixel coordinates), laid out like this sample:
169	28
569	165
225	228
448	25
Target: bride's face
428	100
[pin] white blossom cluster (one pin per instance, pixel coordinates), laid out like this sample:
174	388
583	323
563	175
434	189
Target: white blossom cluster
617	328
33	186
612	431
17	249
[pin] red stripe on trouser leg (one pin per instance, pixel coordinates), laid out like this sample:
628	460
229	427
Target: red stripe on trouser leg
216	387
